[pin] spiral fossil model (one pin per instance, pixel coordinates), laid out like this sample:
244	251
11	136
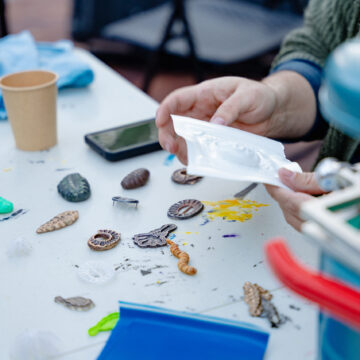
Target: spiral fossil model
183	259
104	240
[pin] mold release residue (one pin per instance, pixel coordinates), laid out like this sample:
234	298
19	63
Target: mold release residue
232	209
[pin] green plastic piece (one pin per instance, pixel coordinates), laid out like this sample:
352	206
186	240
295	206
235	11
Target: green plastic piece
5	206
105	324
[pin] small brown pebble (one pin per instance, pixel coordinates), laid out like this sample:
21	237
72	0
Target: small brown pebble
135	179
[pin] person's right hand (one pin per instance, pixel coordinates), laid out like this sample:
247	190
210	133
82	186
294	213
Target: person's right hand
282	105
234	101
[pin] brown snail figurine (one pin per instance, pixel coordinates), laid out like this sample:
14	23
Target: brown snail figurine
181	176
135	179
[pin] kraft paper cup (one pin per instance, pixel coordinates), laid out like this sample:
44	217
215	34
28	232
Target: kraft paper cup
30	101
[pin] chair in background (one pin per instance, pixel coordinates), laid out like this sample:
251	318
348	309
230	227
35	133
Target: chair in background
217	32
3	24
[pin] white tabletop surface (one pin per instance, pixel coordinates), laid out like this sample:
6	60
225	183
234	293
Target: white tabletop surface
30	283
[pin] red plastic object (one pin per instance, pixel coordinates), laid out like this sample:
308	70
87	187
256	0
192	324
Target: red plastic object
335	297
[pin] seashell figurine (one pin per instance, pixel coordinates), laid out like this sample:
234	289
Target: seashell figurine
74	188
60	221
135	179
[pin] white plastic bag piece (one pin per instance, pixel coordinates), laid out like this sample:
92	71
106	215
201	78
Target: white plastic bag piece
228	153
35	345
19	247
96	272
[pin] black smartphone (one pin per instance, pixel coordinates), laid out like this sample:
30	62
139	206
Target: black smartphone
125	141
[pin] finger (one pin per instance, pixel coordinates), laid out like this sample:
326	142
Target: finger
287	198
178	102
295	222
300	182
167	138
182	150
289	206
229	111
290	203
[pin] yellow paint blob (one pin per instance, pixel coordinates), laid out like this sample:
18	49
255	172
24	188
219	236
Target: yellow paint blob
7	170
191	232
232	209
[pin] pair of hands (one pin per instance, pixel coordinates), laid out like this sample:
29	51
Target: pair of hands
282	105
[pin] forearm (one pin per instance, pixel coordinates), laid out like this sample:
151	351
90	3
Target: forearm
295	109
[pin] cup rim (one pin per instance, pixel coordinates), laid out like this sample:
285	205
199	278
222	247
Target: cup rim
27	88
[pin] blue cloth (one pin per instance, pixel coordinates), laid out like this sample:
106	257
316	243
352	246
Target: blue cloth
20	52
313	74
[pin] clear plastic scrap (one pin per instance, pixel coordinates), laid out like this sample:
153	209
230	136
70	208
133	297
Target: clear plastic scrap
228	153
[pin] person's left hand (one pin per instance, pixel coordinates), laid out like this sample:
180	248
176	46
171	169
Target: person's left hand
303	184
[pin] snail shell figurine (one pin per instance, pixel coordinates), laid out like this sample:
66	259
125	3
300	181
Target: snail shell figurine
181	176
74	188
75	303
135	179
104	240
60	221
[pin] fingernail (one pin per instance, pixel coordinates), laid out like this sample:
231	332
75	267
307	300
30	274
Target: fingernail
218	120
286	173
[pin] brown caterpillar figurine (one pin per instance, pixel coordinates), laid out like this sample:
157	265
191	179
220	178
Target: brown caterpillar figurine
183	259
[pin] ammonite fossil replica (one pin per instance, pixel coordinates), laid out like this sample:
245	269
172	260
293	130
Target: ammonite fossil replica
135	179
183	259
154	238
74	188
124	200
104	240
75	303
180	176
185	209
60	221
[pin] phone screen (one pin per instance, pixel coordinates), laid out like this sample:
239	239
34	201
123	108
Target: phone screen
126	136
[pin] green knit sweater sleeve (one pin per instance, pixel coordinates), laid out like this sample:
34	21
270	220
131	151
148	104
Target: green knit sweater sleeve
327	23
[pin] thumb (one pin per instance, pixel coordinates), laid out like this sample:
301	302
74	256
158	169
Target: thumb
230	110
300	182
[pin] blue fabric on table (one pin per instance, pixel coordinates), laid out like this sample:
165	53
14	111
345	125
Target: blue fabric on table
20	52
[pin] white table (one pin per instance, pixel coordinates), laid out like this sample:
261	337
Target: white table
29	284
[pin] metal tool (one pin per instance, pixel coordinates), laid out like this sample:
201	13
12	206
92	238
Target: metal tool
241	194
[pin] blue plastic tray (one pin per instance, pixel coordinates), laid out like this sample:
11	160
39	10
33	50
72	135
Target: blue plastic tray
148	332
